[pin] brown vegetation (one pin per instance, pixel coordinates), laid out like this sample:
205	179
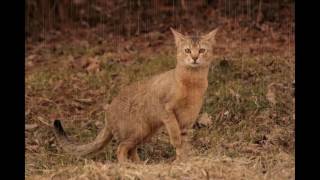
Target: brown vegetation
247	127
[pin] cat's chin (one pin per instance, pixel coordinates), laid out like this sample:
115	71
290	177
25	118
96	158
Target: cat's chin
194	65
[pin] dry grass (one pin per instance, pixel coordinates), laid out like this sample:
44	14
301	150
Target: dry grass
206	167
249	101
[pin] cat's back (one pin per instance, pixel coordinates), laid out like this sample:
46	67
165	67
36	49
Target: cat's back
145	89
140	99
149	84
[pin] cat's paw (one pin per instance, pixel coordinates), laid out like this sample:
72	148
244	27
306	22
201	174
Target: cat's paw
177	160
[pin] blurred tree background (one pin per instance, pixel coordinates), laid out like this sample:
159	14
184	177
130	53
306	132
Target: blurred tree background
134	17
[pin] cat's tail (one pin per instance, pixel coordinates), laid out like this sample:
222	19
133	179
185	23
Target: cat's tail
101	140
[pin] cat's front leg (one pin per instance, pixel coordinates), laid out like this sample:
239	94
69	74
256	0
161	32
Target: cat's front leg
186	141
185	151
174	132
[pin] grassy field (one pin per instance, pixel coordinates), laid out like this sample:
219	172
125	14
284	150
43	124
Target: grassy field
246	130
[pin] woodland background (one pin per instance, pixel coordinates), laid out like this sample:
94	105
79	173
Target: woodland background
79	53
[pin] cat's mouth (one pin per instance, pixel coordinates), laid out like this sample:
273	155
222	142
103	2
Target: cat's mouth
194	64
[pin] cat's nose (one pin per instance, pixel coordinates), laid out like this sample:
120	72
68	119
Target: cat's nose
195	58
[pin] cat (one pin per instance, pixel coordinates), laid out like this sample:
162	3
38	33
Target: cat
173	99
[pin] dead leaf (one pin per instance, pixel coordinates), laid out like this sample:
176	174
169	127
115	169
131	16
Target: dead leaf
30	127
31	57
29	64
93	65
88	100
230	145
205	119
32	148
105	107
41	119
57	85
81	62
76	104
251	148
204	140
235	94
271	97
98	124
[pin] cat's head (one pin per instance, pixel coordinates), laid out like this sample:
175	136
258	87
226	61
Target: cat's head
194	51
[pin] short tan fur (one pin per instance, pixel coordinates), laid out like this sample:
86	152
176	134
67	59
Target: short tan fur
173	99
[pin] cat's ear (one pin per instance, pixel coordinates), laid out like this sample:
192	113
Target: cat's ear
211	36
178	37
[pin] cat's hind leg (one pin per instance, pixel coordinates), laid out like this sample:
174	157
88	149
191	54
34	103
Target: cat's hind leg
123	150
133	155
127	149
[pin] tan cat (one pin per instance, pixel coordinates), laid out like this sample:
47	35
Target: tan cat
173	99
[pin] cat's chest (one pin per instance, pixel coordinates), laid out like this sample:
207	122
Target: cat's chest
188	107
190	99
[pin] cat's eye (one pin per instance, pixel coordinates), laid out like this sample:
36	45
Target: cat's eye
202	50
187	51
